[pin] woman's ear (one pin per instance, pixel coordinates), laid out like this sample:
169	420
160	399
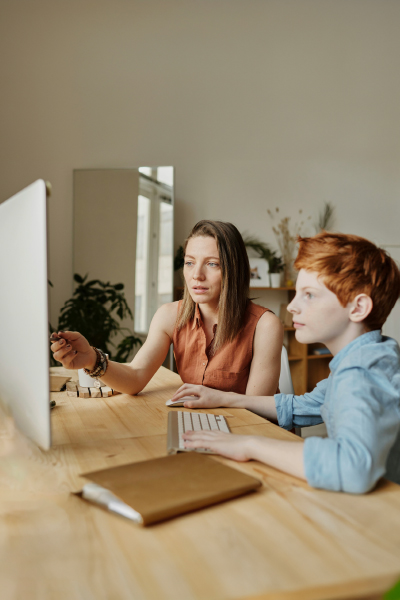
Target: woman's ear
360	308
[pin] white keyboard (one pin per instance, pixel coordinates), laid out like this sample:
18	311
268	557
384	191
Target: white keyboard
179	422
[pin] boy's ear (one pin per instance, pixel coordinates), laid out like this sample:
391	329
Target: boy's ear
361	307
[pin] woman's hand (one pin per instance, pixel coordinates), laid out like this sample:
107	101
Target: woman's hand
203	397
73	351
230	445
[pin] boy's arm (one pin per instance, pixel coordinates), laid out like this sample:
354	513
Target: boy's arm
364	421
280	454
286	409
301	411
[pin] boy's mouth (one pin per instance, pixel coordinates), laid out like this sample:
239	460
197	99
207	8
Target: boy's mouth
297	325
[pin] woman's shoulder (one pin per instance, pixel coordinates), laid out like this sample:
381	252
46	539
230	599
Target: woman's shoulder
169	309
256	309
166	316
266	319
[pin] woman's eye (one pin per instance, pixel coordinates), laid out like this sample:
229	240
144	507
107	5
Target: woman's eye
213	264
188	263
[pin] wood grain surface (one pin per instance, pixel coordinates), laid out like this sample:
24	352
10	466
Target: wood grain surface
286	541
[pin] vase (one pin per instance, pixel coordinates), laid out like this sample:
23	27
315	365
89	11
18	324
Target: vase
275	279
289	275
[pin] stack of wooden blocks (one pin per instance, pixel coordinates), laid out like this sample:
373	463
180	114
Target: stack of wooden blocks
74	389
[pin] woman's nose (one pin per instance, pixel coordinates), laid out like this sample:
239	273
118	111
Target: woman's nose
198	274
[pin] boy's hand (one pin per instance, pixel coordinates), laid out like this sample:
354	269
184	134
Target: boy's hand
72	350
230	445
203	397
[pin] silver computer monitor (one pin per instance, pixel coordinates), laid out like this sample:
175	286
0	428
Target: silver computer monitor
24	324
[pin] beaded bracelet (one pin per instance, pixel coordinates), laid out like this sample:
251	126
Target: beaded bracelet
100	367
97	363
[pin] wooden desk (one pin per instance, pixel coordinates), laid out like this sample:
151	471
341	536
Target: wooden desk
270	544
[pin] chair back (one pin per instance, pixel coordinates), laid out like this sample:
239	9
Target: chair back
285	379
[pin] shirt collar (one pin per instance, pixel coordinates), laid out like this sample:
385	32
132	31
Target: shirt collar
366	338
197	322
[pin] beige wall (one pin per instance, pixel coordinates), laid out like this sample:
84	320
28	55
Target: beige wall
257	103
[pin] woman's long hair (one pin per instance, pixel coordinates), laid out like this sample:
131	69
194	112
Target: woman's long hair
235	270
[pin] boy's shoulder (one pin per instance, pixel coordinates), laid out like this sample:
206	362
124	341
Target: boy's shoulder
377	353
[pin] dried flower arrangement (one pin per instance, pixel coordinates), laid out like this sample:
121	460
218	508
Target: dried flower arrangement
286	240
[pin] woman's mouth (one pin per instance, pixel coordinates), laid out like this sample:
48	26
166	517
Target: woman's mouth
199	289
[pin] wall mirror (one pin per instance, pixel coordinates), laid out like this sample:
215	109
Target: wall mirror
124	233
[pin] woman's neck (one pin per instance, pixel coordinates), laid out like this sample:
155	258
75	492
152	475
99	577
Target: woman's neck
209	314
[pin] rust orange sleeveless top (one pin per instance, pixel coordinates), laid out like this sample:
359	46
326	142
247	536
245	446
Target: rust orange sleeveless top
229	368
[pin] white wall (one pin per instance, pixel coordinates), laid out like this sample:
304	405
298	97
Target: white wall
255	102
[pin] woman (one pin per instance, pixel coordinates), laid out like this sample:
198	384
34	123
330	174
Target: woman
221	339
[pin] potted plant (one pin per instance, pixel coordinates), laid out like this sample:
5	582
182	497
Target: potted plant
276	266
95	310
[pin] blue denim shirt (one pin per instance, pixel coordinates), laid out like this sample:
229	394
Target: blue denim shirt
360	405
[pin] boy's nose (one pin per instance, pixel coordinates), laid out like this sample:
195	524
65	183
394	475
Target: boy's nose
292	307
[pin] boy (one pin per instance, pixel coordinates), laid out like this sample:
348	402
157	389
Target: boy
345	291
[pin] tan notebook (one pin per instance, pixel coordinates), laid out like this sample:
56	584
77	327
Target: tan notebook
162	488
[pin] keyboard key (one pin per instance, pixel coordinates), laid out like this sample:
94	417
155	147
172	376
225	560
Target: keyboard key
222	424
204	421
196	422
187	422
213	423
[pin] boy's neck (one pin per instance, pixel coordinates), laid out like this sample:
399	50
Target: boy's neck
351	333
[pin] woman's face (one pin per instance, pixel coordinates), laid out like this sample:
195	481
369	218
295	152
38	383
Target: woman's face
202	270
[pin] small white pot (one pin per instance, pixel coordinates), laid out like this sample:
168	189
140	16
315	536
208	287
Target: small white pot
275	280
84	379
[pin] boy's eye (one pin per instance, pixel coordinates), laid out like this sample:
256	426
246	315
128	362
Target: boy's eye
309	295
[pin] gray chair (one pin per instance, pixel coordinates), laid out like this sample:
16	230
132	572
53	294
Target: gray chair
285	379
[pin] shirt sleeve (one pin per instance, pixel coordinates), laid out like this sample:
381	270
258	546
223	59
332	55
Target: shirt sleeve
363	424
301	411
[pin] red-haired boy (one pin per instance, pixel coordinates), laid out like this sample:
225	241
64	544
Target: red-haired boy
345	291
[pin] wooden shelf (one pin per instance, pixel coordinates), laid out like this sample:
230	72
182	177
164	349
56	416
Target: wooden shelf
294	357
313	356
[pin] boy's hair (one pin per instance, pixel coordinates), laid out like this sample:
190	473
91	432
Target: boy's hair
350	265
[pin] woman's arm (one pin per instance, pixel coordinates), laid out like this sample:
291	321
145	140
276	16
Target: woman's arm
205	397
74	352
266	364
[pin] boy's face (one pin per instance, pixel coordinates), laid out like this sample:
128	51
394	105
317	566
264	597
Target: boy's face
318	315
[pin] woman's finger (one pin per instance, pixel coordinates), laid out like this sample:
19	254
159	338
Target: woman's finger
71	336
69	359
187	390
195	403
57	345
60	354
